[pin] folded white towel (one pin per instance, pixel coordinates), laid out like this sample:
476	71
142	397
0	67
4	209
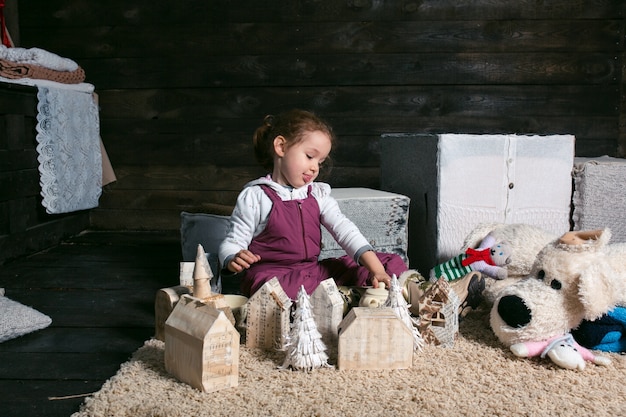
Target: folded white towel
37	56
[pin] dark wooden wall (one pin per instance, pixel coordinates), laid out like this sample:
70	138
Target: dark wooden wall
184	84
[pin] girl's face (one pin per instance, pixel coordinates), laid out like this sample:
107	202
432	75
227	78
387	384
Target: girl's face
299	164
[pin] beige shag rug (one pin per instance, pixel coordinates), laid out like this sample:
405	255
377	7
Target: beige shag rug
476	377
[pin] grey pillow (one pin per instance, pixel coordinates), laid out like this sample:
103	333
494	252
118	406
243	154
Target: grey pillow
207	230
199	228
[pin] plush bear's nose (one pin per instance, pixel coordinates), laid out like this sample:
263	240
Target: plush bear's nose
514	311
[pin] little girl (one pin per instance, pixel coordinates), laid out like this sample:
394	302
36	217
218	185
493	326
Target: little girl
275	226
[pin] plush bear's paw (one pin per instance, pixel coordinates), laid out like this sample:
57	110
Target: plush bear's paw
520	350
601	360
502	273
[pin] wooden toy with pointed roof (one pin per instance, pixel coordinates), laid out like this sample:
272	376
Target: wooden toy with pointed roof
201	341
201	346
374	338
166	298
328	305
202	275
267	325
395	300
438	314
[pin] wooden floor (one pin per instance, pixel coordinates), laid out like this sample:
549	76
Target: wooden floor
99	290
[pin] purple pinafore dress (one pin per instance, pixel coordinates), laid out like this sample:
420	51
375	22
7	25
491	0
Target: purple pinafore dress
289	247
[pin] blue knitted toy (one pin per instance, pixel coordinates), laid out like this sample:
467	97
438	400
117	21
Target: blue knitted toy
608	333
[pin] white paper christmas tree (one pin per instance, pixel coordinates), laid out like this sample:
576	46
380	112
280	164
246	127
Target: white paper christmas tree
396	301
305	349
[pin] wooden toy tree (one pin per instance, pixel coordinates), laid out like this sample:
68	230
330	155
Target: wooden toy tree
396	301
305	349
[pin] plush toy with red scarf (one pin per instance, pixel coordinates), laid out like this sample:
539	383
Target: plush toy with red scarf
490	258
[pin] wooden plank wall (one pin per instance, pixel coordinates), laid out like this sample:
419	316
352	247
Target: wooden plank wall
184	84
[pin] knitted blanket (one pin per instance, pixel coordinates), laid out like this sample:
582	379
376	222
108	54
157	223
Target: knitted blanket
18	319
13	70
599	197
503	179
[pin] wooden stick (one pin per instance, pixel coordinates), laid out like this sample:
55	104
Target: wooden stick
69	397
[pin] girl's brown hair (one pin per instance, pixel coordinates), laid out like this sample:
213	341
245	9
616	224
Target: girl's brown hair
291	125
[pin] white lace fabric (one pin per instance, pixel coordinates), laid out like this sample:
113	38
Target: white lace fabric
70	157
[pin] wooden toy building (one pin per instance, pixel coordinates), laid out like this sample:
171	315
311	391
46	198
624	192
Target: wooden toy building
195	278
201	346
268	317
374	338
328	306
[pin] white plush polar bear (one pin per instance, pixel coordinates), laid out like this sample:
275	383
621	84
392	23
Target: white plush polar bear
577	277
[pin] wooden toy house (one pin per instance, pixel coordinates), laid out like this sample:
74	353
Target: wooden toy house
374	338
267	324
201	346
328	306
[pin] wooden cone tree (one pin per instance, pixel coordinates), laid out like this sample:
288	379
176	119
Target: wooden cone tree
202	275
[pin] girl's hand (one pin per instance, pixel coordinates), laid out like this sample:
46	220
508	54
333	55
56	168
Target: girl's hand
242	260
377	270
381	277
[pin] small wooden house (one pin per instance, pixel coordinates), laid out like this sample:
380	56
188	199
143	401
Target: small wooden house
374	338
267	324
439	314
328	306
201	346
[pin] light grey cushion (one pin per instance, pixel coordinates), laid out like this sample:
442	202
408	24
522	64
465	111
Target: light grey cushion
207	230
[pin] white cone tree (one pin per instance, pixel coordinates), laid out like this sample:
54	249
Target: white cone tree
305	349
396	301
